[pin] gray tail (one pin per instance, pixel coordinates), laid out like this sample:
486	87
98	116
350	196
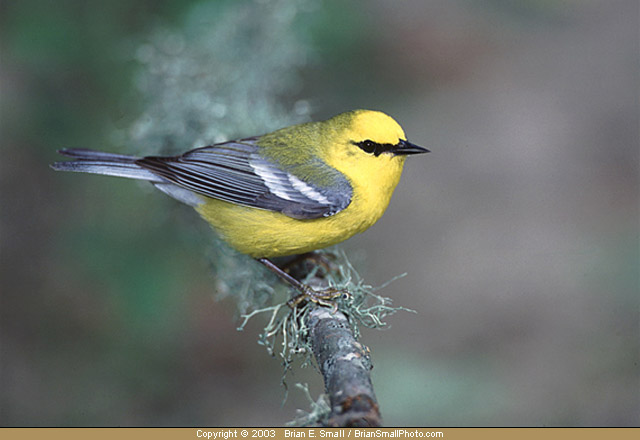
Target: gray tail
119	165
108	164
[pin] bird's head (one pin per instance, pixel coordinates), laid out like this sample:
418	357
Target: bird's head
376	133
369	141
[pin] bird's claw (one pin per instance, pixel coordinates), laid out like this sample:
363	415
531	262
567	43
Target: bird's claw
325	297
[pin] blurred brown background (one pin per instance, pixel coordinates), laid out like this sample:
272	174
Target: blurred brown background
519	232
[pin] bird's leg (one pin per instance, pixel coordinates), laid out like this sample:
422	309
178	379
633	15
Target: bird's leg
322	297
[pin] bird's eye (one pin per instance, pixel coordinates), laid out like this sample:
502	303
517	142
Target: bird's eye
369	147
374	148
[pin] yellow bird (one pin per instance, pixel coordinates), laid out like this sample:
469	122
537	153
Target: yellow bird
292	191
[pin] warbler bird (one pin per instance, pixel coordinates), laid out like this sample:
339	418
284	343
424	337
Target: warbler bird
292	191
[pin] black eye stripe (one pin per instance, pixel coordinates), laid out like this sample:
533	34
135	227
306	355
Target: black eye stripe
375	148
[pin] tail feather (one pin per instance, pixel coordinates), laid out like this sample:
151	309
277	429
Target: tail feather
119	165
86	154
108	164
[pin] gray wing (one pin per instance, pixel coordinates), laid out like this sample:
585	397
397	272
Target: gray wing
235	172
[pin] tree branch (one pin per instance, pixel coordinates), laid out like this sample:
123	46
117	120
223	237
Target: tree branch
345	366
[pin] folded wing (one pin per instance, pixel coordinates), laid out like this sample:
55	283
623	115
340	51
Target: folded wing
235	172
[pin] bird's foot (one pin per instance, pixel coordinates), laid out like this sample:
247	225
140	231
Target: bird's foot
324	297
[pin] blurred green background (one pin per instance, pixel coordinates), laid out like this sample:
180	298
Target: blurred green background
519	232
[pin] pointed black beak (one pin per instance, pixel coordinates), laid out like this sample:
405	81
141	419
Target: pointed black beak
405	148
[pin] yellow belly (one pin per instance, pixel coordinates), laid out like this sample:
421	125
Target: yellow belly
261	233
